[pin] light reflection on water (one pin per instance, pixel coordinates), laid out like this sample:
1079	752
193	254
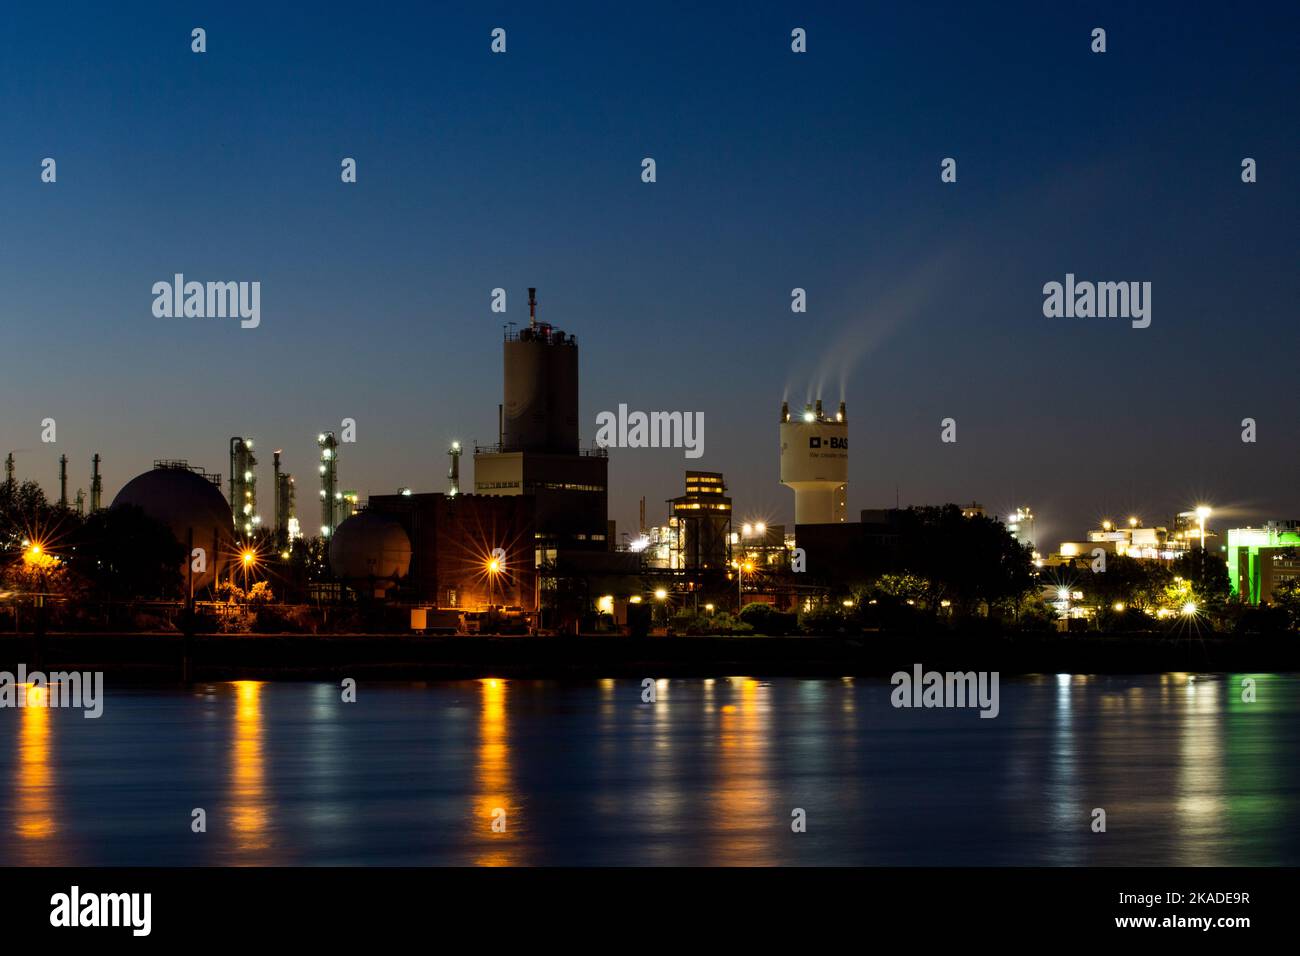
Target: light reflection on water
589	773
33	785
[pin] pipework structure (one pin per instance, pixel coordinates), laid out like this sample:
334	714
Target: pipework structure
330	496
285	515
243	486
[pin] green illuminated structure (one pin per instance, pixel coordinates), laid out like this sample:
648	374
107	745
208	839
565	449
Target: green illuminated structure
1244	559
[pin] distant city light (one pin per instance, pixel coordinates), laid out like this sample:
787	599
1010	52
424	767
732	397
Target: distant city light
660	594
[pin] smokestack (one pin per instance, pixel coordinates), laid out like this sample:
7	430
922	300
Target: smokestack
453	473
842	415
818	409
63	481
643	514
277	515
532	306
81	501
96	486
9	471
785	411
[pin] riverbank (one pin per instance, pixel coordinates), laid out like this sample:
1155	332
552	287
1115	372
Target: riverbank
163	657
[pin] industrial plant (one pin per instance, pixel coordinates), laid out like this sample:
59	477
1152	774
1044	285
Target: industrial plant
531	548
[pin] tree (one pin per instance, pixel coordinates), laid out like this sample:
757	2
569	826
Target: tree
1207	576
123	553
1286	595
1133	582
968	560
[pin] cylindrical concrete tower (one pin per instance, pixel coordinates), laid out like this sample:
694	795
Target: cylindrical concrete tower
541	388
815	463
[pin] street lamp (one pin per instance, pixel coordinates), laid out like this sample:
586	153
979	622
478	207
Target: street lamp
1202	512
493	565
741	568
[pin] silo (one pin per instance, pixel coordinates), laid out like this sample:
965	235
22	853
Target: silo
540	411
815	463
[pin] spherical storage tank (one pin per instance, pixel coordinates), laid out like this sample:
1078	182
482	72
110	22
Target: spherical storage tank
370	547
185	501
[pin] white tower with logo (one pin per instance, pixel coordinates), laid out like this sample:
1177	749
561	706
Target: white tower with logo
815	462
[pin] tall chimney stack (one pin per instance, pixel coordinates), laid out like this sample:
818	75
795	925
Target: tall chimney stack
532	306
96	487
453	473
277	518
63	482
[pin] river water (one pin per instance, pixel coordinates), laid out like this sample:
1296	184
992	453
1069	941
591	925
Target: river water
496	772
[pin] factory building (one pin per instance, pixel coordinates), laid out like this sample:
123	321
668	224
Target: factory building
815	463
1020	523
1260	559
702	521
844	553
762	546
465	552
538	451
1132	540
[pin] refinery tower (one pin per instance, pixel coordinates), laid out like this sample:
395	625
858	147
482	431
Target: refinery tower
815	462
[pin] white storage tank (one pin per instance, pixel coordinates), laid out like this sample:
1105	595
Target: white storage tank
815	462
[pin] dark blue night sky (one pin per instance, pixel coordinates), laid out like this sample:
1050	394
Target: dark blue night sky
775	170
